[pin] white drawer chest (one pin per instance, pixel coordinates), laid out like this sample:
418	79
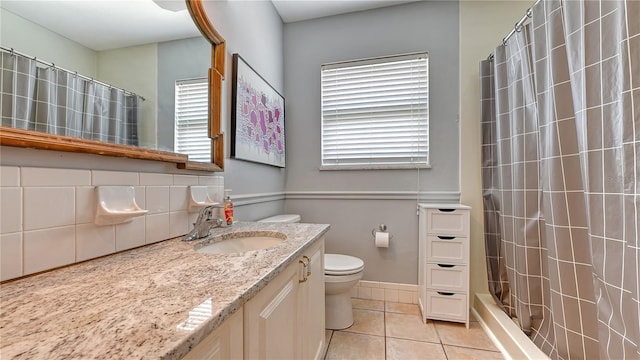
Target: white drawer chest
443	270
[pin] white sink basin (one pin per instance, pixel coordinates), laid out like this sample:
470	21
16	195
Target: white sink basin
240	242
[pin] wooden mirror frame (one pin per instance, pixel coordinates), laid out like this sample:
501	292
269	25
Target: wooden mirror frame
39	140
216	75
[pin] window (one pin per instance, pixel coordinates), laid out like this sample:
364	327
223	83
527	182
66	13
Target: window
192	120
375	113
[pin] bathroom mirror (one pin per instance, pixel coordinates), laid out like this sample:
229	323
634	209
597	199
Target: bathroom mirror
151	70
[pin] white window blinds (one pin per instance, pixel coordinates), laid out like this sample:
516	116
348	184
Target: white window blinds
375	113
192	120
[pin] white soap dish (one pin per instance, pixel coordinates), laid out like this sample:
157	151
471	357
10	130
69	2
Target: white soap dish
116	205
199	197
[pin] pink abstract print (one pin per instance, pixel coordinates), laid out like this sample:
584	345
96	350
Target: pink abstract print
260	124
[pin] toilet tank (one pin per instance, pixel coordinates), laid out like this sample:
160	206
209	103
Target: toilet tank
284	218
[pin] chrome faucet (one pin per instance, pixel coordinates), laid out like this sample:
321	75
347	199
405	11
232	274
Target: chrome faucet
204	223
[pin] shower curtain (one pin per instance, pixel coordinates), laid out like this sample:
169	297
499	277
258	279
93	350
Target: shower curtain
561	177
55	101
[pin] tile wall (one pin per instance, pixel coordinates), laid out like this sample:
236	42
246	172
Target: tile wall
46	215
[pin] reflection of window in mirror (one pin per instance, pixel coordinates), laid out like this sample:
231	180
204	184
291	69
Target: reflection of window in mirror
192	119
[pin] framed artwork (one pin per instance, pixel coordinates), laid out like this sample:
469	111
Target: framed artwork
257	117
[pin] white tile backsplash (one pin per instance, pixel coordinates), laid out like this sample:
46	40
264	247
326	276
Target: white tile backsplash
130	234
141	197
179	222
10	256
85	204
157	228
54	177
157	199
46	207
185	180
9	176
156	179
10	209
179	198
48	248
208	180
47	215
93	241
100	177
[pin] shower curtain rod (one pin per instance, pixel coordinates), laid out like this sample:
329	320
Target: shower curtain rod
12	51
527	15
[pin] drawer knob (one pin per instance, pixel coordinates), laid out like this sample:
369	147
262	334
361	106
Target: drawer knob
447	210
445	293
446	237
446	265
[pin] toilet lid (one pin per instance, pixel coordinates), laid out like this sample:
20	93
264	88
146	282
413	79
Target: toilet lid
338	264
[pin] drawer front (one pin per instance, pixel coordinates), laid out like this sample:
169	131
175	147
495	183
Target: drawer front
447	306
447	277
447	249
444	222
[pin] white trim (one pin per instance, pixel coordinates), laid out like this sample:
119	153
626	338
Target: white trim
441	197
423	196
257	198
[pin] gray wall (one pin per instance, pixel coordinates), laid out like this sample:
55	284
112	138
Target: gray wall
354	202
254	30
177	60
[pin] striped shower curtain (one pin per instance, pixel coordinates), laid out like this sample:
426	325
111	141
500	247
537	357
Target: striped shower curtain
561	177
54	101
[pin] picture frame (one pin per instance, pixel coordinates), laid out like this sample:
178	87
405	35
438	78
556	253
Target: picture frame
257	117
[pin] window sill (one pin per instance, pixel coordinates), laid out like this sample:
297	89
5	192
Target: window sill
374	167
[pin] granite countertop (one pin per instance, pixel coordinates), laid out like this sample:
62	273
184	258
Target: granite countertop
135	304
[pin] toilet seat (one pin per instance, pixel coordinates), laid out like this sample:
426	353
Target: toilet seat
338	264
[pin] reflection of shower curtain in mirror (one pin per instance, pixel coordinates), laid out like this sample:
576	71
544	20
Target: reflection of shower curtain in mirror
57	102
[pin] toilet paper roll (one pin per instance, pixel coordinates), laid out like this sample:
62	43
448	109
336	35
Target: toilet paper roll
382	239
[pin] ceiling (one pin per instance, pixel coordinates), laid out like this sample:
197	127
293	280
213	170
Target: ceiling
108	24
297	10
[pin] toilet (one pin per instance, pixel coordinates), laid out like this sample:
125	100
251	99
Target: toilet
341	274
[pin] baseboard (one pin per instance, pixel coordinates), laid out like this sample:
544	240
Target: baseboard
507	336
384	291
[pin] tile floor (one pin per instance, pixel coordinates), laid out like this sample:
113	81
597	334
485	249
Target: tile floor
390	331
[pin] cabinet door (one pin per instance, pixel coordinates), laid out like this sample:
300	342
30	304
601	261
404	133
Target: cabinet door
224	343
271	319
312	305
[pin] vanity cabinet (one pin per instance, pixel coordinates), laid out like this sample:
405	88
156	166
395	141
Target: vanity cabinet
224	343
285	320
443	270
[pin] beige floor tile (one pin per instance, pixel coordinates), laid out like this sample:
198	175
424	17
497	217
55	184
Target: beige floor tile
402	308
367	322
458	335
368	304
409	326
400	349
461	353
345	345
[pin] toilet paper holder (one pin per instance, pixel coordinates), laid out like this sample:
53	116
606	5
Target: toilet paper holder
381	228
